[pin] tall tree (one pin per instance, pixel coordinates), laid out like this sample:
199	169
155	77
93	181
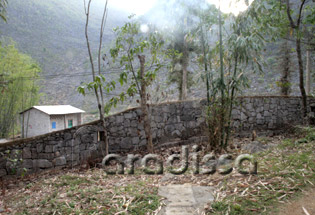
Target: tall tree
96	72
296	25
180	42
139	55
237	52
285	67
207	16
293	17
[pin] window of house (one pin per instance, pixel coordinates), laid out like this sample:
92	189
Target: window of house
70	123
100	136
53	125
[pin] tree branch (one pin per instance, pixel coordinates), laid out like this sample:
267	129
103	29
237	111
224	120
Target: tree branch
300	14
292	24
104	18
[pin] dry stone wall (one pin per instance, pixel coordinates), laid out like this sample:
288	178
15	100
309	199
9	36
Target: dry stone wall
177	121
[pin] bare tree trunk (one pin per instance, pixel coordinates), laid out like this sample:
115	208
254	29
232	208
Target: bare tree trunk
205	65
144	106
96	90
298	51
308	72
23	119
185	72
228	132
301	71
104	19
222	85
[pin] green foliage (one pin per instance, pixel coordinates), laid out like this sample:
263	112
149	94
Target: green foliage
3	5
180	43
14	161
310	15
18	89
275	16
238	52
129	44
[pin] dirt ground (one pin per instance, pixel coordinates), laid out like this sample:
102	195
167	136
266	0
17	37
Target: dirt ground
295	207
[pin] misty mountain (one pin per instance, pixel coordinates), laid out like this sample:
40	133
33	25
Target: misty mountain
52	32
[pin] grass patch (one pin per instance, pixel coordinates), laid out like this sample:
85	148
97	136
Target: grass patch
282	173
70	180
90	192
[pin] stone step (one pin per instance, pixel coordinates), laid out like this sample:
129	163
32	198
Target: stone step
185	199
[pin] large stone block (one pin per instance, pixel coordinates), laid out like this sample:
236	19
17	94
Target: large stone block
187	117
135	140
34	153
27	154
139	112
128	115
259	116
259	122
76	149
39	147
166	109
50	148
126	142
169	129
267	113
43	163
60	161
294	101
67	136
47	156
132	132
87	138
249	106
140	126
82	147
127	123
72	157
158	119
243	116
134	123
119	119
27	164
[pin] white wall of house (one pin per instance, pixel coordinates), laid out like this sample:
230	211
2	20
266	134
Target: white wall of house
60	122
76	119
63	121
41	123
35	123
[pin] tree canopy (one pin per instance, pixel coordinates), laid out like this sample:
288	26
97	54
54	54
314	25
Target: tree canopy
18	88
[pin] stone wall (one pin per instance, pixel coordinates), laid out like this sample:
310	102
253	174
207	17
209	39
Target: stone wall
177	121
267	113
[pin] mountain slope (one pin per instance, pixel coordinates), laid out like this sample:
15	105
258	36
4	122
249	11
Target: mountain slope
52	32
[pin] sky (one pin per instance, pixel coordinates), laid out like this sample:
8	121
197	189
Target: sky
139	7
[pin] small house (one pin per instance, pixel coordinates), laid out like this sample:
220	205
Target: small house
39	120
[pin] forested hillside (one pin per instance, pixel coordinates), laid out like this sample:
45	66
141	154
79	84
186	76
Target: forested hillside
52	32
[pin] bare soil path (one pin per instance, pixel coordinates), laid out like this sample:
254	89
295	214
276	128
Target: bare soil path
305	205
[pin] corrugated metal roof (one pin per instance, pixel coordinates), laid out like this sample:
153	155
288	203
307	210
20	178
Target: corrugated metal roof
57	109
